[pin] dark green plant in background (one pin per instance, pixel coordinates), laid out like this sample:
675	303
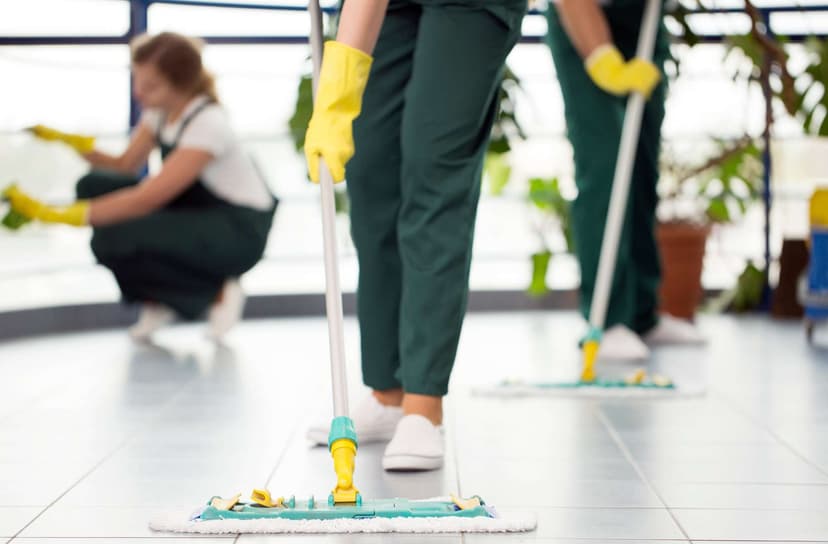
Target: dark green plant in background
733	182
812	84
555	211
505	130
718	191
745	296
302	111
802	95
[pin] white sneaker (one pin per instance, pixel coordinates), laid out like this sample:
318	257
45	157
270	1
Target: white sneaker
224	315
618	343
373	422
151	318
417	445
672	330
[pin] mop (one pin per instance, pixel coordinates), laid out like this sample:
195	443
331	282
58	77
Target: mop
345	510
590	384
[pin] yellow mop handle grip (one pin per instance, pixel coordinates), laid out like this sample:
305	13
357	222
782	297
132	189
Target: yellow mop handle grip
343	452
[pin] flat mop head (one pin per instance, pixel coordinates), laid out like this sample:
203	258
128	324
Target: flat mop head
638	385
439	515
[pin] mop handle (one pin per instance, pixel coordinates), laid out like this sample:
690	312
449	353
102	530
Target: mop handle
333	292
623	175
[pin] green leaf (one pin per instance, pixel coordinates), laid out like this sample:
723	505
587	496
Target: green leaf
749	287
540	266
498	172
14	220
341	202
499	145
717	210
506	125
545	194
298	122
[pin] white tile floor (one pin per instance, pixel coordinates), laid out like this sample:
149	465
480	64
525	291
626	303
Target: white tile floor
97	434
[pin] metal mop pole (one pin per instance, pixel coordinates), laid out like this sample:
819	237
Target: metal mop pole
342	440
620	192
333	291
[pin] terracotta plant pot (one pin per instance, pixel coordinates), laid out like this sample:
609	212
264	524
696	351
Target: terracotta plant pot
681	246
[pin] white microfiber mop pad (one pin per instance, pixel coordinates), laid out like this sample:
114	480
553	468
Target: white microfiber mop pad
506	522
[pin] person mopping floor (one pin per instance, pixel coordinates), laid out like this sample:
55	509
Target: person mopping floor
176	241
345	510
428	102
590	42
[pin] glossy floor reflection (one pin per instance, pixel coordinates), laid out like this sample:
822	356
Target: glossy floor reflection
97	434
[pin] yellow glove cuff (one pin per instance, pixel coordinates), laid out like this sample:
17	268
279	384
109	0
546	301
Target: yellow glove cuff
76	214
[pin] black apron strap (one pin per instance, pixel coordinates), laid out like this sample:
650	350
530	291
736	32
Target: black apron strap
184	124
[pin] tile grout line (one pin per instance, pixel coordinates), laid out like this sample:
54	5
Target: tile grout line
294	432
111	454
279	460
628	455
38	398
291	437
787	445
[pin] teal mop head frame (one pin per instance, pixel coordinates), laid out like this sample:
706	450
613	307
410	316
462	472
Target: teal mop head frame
438	515
310	509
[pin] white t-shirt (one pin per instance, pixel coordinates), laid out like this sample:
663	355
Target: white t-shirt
231	175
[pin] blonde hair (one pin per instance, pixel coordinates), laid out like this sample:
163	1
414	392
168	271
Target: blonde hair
178	59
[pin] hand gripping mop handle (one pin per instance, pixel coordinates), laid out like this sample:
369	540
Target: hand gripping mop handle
342	440
623	176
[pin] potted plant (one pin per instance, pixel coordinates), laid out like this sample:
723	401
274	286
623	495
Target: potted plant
693	198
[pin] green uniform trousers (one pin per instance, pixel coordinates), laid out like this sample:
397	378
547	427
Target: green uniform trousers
594	122
414	181
181	255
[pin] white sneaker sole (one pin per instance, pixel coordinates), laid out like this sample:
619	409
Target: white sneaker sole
411	463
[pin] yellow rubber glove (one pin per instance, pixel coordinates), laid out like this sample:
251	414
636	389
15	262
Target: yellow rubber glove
342	81
79	142
76	214
611	73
